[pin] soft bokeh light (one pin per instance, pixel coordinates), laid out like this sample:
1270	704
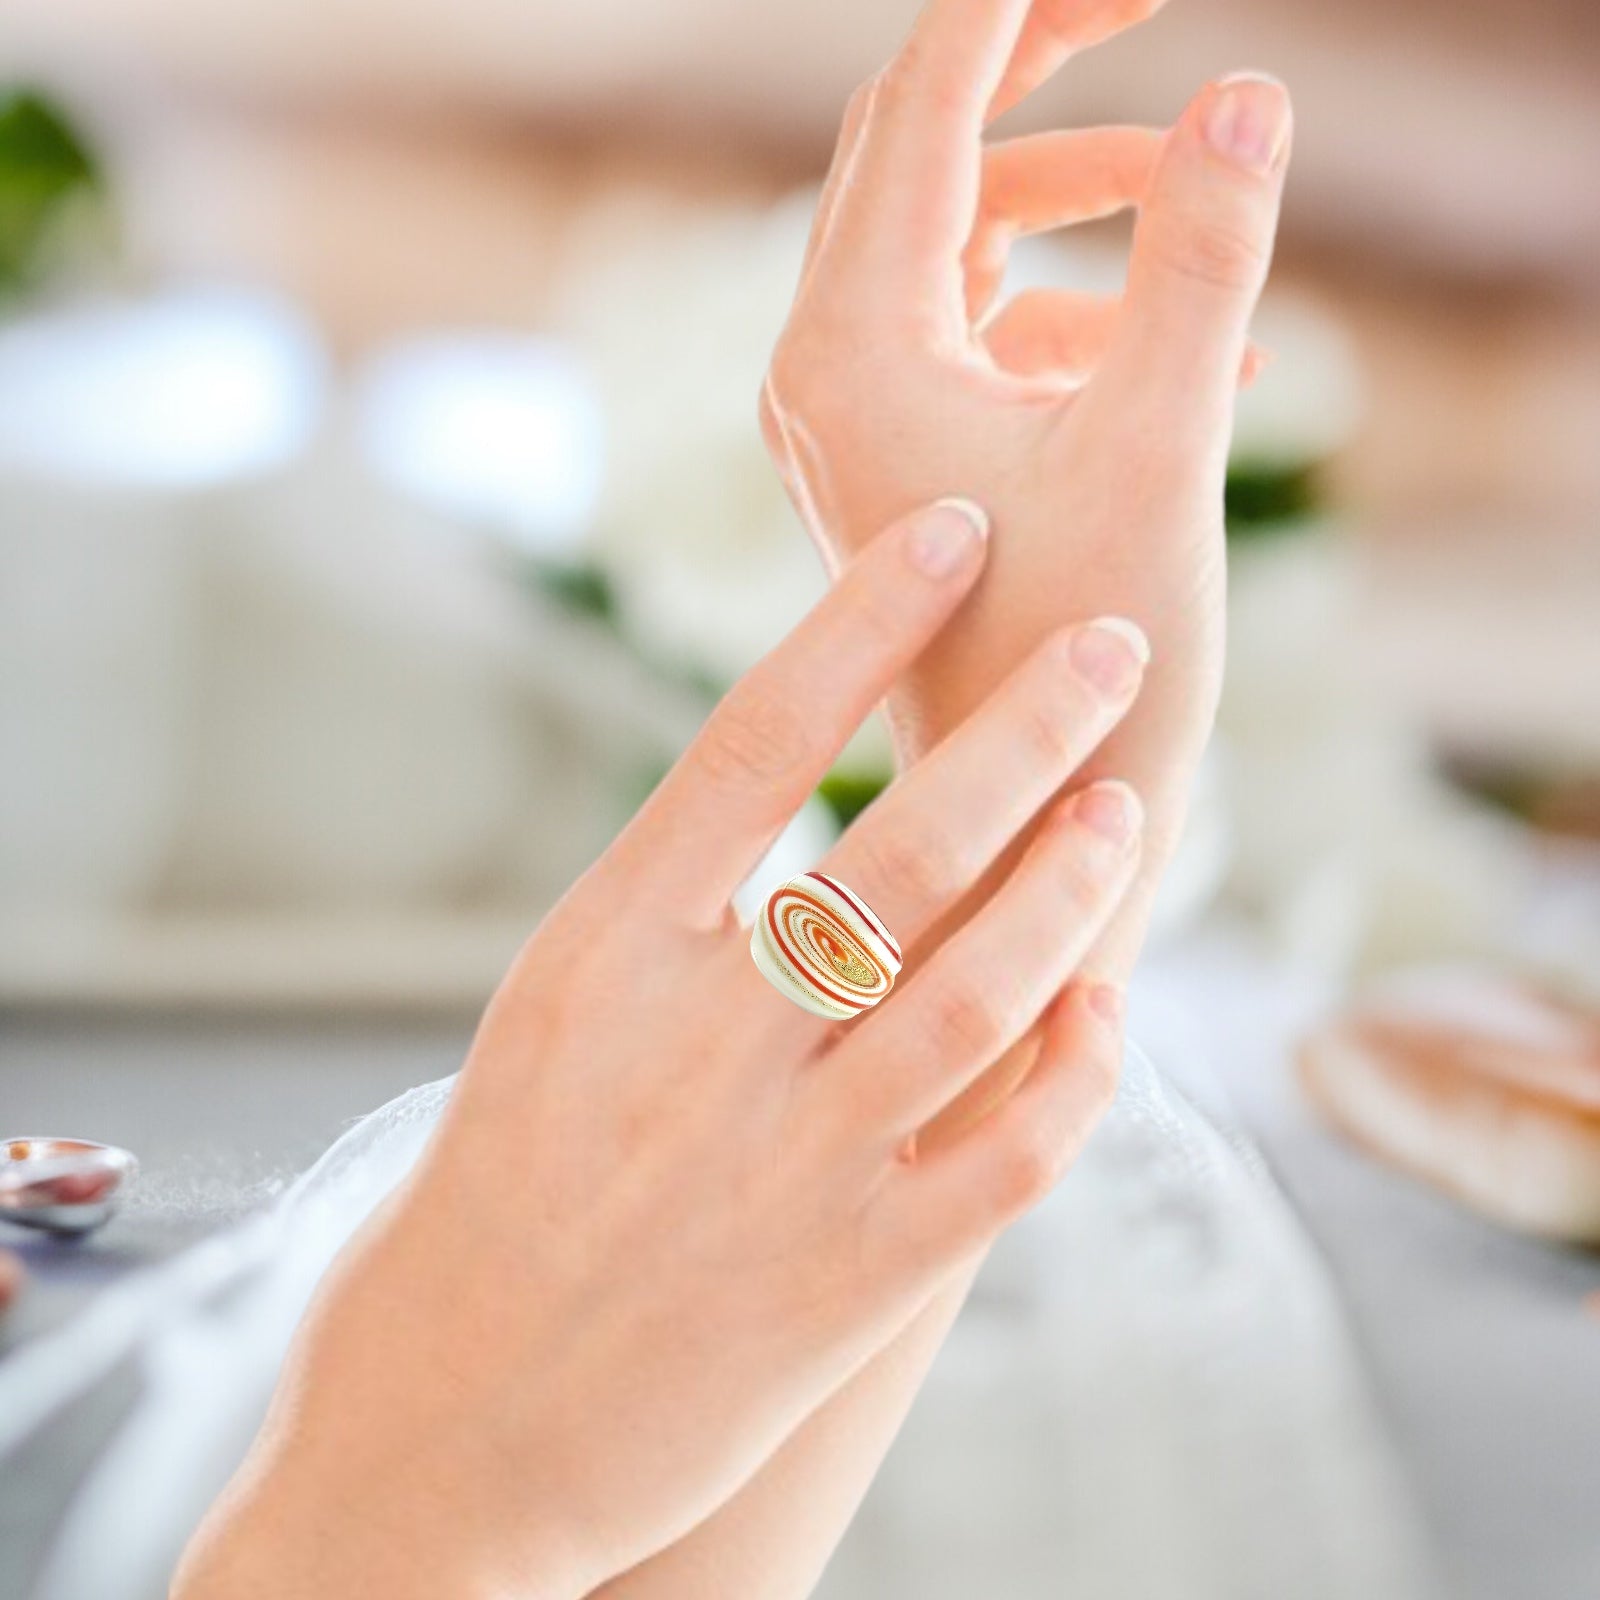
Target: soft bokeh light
179	390
503	431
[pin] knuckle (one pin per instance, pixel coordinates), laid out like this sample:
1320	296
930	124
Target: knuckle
1212	253
1050	732
788	372
1084	877
897	82
1027	1167
804	376
860	101
917	862
1057	711
756	738
917	81
969	1021
794	355
1058	24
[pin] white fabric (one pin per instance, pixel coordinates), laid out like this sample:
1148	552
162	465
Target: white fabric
1151	1397
1152	1394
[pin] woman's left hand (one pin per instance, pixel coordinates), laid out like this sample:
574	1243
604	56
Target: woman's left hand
1095	431
668	1213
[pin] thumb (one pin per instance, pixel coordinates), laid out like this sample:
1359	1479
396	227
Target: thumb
1204	242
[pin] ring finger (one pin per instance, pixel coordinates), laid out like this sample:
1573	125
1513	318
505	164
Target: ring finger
987	985
931	837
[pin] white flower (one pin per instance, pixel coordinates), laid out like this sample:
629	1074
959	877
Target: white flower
676	315
1347	844
1308	401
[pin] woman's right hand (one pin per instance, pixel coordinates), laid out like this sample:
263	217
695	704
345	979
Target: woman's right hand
668	1213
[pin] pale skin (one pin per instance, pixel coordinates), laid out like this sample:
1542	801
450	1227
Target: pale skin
650	1311
668	1214
1095	432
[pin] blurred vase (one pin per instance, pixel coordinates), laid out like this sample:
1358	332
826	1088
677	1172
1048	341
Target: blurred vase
708	561
362	738
94	642
114	417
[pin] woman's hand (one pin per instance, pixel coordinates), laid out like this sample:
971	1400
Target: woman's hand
668	1213
1095	432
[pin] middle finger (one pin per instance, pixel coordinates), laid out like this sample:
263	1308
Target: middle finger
930	838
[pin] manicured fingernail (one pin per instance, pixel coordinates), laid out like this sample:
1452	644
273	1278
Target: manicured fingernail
1110	653
1248	121
1111	809
944	536
1105	1000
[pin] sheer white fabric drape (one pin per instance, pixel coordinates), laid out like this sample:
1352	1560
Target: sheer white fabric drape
1151	1395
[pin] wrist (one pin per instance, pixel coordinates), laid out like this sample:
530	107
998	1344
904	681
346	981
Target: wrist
301	1532
1157	747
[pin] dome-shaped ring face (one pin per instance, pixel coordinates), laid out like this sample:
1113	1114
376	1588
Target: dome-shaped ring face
823	947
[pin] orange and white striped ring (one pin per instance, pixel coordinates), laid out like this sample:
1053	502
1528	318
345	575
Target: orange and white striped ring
820	945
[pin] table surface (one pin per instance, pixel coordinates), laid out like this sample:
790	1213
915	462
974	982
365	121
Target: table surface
1479	1345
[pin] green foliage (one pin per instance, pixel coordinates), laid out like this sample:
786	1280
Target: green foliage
44	168
848	794
1558	797
1261	500
579	586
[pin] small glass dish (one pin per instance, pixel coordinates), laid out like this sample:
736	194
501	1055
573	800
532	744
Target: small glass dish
68	1186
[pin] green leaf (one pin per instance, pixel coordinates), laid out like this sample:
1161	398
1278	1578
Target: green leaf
44	167
1262	500
579	586
848	794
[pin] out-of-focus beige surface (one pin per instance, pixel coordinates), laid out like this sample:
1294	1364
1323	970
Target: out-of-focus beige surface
1467	127
401	165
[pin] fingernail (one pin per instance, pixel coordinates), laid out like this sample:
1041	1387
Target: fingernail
945	535
1110	809
1248	121
1109	654
1105	1000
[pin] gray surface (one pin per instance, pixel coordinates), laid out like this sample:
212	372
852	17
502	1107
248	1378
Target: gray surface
222	1113
1481	1350
1486	1360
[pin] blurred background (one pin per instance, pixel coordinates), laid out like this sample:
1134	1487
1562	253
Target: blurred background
381	507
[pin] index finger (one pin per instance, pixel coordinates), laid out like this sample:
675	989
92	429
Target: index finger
777	731
913	189
914	183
